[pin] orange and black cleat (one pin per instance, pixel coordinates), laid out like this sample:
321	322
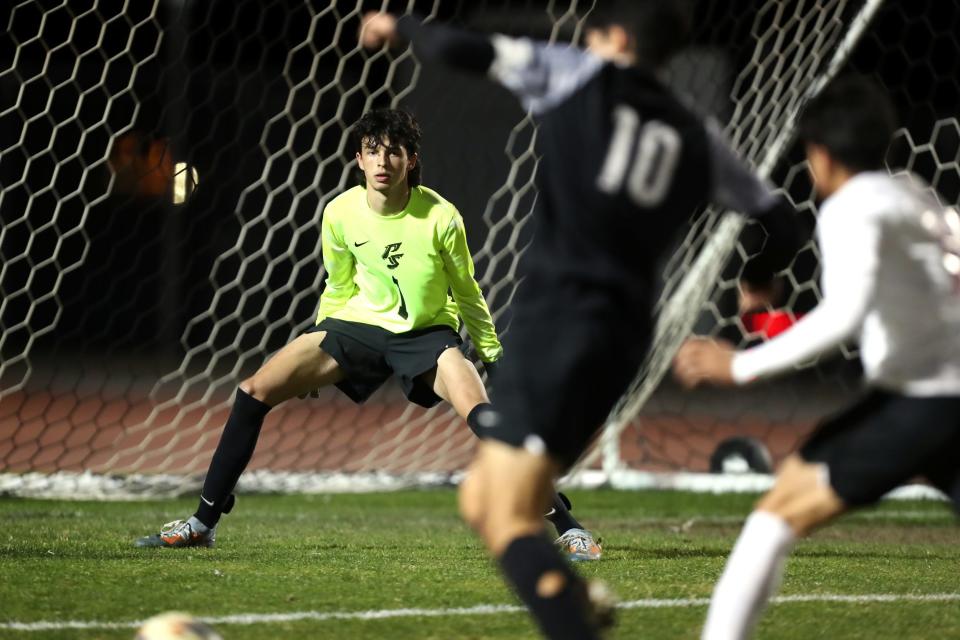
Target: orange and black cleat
179	533
579	545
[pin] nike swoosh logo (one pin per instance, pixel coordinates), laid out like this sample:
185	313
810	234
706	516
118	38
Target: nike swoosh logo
209	503
552	511
360	244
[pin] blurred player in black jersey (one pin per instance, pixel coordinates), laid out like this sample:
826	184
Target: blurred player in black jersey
624	165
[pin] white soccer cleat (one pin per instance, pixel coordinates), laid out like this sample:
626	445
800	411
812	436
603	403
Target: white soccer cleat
179	533
579	545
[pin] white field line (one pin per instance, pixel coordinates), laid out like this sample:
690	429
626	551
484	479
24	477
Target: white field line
479	610
945	515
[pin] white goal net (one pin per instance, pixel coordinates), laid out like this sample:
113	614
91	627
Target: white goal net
164	163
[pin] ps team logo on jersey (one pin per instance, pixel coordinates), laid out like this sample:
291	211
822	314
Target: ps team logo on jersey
390	255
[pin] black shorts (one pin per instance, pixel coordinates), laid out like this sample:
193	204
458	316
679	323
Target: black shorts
887	439
368	355
569	356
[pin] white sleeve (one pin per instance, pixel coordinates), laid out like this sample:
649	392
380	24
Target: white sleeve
850	249
541	75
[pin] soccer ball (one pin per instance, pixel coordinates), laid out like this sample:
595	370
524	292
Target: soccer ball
176	626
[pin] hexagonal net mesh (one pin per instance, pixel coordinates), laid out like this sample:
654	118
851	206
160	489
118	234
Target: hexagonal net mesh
164	164
657	428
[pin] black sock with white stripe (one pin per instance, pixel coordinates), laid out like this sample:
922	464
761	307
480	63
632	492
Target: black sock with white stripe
480	419
559	514
233	453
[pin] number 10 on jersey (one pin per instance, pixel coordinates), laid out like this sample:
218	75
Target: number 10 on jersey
649	172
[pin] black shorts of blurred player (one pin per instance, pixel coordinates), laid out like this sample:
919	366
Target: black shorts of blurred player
574	350
856	457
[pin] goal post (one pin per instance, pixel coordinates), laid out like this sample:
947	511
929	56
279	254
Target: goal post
163	166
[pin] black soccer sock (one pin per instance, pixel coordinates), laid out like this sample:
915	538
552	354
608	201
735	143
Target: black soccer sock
559	514
477	422
233	453
554	594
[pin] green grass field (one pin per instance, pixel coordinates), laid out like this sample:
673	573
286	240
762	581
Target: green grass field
311	556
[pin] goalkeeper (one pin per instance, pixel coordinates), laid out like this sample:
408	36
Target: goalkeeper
399	278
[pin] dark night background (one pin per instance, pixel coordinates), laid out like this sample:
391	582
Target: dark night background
210	95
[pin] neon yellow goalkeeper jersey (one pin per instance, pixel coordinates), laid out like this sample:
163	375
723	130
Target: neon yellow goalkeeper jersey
398	271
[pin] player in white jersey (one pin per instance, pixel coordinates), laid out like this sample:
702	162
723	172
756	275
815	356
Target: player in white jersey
890	277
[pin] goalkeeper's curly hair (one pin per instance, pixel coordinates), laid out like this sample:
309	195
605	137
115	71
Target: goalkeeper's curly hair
396	125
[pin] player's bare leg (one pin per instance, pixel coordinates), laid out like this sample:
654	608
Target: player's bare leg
491	505
802	496
503	498
456	381
800	501
298	368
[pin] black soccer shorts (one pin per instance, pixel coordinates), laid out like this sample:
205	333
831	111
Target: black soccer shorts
572	351
887	439
368	355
